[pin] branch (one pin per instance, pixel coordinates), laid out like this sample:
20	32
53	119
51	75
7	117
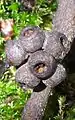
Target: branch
35	107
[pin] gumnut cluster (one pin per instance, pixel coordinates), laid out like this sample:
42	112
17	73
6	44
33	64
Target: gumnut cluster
37	54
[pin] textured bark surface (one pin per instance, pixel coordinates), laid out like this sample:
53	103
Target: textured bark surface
64	20
35	107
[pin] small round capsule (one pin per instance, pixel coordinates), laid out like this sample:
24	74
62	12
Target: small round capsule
32	38
59	75
25	77
14	52
42	65
54	44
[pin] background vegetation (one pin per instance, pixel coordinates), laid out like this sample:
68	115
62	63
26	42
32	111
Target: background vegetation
12	97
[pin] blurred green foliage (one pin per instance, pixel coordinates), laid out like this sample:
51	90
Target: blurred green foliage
12	97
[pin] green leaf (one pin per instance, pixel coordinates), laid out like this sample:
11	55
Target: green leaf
14	6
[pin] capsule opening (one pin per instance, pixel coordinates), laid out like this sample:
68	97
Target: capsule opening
40	68
28	33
